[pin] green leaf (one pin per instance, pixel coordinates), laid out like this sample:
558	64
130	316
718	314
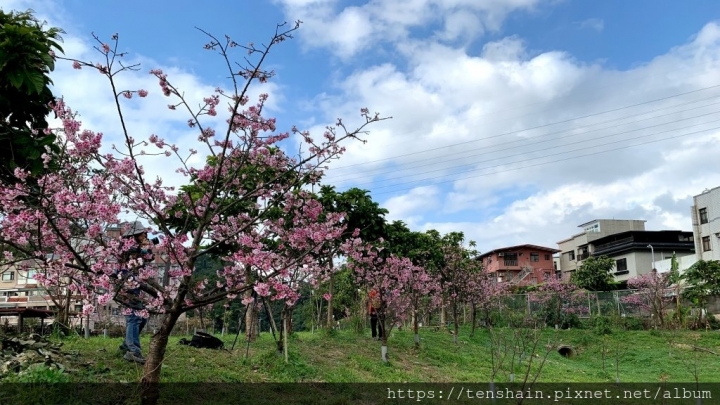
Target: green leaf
16	81
35	81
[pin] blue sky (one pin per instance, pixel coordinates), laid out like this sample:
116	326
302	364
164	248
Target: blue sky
501	108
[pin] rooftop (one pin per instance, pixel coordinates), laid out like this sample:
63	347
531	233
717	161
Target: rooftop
518	247
597	220
708	191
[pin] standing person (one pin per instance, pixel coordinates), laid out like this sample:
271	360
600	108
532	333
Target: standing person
374	304
131	297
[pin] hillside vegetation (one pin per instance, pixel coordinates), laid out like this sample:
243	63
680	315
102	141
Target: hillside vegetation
346	356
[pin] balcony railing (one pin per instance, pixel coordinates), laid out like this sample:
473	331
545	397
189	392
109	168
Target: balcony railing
583	256
511	262
615	243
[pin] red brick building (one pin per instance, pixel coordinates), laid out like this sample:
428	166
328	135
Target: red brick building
521	264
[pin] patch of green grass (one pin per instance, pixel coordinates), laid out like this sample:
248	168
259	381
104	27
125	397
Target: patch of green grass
345	356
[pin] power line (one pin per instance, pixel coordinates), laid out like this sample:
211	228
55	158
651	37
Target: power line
537	103
572	143
441	159
551	162
531	128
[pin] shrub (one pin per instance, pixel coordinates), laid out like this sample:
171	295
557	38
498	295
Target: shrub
633	323
41	374
603	325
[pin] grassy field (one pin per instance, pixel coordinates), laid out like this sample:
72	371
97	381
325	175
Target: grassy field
345	356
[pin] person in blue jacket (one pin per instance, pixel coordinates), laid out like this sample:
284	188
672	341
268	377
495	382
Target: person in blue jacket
131	297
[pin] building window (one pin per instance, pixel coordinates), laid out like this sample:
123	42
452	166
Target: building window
8	276
621	265
510	259
706	243
571	255
547	257
534	257
703	215
29	275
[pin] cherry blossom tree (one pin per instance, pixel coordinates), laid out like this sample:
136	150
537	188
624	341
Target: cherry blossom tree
97	186
424	289
559	301
397	280
652	294
456	275
486	295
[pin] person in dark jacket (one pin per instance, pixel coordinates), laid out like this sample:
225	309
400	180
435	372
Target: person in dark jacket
131	298
374	304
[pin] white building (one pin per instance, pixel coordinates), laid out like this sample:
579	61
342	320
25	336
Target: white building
706	224
580	246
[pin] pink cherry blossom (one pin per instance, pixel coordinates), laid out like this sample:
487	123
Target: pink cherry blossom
97	187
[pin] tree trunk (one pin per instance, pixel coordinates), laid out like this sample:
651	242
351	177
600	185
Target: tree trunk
456	315
62	319
87	327
286	332
202	319
268	311
153	362
443	318
318	320
280	343
290	311
473	317
416	329
331	292
251	313
384	346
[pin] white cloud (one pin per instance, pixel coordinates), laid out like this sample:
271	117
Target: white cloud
353	29
506	50
417	200
450	110
597	24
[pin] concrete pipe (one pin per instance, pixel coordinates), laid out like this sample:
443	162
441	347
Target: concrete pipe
566	351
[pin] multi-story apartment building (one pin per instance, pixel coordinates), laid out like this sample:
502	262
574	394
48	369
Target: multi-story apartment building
705	214
521	265
637	252
579	247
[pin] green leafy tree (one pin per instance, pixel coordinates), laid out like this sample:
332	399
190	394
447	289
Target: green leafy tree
594	274
361	213
703	279
27	50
